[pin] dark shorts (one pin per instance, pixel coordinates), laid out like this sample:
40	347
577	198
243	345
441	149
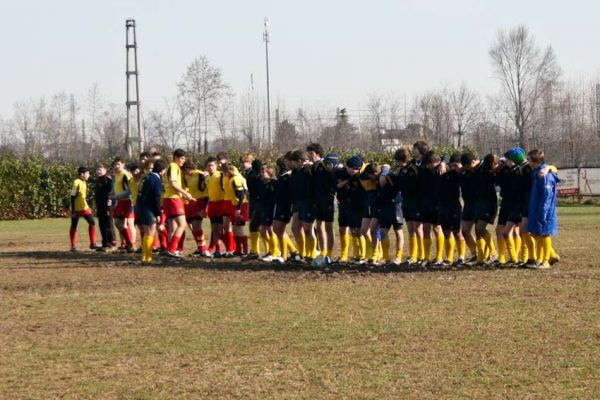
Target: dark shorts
525	206
390	216
468	212
266	216
486	210
145	216
305	210
344	214
254	216
283	212
450	216
370	206
324	209
355	218
509	212
410	209
430	213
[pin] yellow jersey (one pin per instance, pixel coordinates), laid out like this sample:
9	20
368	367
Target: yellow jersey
173	174
121	183
134	185
79	191
214	187
236	183
196	185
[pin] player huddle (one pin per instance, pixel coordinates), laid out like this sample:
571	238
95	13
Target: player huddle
450	203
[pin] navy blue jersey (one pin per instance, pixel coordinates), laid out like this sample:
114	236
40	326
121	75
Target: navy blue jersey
342	193
103	187
268	193
449	189
388	193
324	183
409	181
506	178
468	184
283	190
429	185
149	193
486	184
301	183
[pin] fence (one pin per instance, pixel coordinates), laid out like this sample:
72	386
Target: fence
579	182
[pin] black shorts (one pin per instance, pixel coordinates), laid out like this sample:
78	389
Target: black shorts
305	210
344	214
509	212
355	218
525	206
450	216
324	210
486	210
410	209
369	208
266	216
468	211
430	214
254	216
283	212
145	216
390	215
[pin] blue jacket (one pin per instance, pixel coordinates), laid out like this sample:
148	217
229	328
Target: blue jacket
542	204
149	193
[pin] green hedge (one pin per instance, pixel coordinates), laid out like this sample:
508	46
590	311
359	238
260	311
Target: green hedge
33	188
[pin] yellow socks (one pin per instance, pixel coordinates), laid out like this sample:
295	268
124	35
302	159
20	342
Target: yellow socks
462	249
426	249
254	236
399	254
363	247
421	243
530	246
413	245
300	241
439	248
311	247
548	250
266	244
147	243
385	249
274	245
518	244
481	250
511	249
540	250
368	248
356	247
450	245
344	247
502	250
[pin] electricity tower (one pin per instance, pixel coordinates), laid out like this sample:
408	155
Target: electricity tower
133	97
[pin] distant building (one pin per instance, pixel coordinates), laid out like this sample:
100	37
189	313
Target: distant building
392	139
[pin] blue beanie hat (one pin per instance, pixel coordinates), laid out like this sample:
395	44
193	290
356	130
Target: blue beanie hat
354	162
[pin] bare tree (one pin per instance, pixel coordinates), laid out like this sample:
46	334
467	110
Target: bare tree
202	87
464	104
526	73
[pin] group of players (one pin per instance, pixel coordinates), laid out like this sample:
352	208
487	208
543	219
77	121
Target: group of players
305	187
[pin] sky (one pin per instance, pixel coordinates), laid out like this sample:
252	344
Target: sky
326	52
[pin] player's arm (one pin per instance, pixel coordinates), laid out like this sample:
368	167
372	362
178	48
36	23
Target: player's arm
74	193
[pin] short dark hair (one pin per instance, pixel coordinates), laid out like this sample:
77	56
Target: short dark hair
159	166
145	154
82	170
100	165
421	146
179	153
281	164
489	160
210	159
537	156
222	156
188	165
372	168
132	166
299	155
316	147
118	159
431	157
288	155
467	158
455	157
402	155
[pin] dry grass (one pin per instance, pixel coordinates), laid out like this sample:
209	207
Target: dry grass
86	325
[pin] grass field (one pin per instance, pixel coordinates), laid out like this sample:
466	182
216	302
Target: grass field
88	325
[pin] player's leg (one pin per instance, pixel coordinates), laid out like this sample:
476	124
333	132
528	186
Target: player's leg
480	235
298	232
73	231
399	233
439	244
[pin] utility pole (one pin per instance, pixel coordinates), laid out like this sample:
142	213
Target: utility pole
266	39
598	109
131	47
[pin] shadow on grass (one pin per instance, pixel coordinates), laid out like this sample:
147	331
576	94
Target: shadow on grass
91	259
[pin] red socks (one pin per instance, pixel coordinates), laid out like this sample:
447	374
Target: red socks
199	237
92	233
230	242
127	236
181	242
164	238
174	244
